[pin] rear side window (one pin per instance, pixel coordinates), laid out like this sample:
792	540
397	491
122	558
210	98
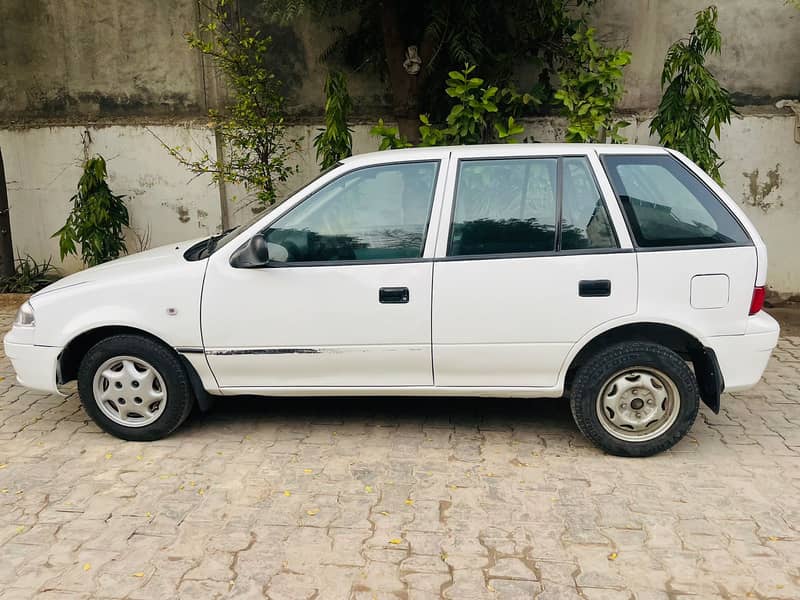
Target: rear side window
505	206
584	218
512	206
666	205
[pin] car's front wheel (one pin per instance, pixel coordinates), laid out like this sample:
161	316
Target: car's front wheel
635	399
134	387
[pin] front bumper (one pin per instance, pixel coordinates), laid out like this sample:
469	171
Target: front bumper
743	358
36	366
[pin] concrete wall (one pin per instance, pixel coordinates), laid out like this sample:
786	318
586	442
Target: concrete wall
69	59
760	60
43	166
62	58
123	72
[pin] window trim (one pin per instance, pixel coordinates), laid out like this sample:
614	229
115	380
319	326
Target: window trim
559	158
694	175
465	257
320	263
560	200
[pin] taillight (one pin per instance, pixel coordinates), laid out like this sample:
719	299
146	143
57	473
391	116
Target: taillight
757	303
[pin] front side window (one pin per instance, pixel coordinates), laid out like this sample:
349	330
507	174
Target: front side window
505	206
375	213
666	205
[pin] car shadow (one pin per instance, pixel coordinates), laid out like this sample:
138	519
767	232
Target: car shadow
552	414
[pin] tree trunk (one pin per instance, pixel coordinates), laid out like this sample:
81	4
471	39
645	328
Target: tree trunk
6	246
405	95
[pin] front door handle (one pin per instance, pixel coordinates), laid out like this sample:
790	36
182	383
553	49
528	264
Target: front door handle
393	295
594	288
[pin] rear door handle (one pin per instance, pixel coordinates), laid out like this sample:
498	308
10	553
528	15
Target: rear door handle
594	288
393	295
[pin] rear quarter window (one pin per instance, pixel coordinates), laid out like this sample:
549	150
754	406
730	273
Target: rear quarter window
666	205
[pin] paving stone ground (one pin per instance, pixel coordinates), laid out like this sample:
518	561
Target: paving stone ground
399	498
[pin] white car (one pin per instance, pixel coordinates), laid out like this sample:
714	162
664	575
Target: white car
621	276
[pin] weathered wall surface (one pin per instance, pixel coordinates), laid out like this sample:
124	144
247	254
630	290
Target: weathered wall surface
115	67
61	58
760	60
43	166
72	59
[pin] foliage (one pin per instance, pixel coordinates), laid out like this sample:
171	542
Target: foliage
97	219
257	146
29	276
390	137
694	104
591	87
458	31
447	33
335	142
478	114
477	32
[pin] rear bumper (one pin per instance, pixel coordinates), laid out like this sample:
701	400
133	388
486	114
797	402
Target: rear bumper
743	358
35	366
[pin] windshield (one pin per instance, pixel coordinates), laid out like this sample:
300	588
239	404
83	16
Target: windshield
220	240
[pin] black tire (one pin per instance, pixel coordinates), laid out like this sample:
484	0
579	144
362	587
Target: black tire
593	375
179	396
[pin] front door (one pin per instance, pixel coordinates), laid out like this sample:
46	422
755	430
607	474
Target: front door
346	298
532	264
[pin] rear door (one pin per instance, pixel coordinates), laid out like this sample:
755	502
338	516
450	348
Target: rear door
527	263
697	264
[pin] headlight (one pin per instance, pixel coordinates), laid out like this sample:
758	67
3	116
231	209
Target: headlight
25	316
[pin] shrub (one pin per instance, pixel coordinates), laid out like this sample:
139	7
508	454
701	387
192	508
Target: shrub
591	87
694	104
97	219
29	276
335	142
256	146
478	114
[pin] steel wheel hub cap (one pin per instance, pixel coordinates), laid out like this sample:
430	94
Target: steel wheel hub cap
638	404
129	391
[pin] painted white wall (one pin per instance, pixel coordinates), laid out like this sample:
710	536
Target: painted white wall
43	166
761	173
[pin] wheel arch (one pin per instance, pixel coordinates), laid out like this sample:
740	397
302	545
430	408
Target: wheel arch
686	345
70	358
76	348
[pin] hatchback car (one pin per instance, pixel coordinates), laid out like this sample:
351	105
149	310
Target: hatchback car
620	276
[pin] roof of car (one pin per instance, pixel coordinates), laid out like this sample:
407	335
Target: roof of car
496	150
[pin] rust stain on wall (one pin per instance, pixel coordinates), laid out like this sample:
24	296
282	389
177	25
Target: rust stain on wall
762	193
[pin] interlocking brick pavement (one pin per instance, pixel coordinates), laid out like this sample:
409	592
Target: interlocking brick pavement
399	498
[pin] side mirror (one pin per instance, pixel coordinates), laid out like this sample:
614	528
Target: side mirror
252	255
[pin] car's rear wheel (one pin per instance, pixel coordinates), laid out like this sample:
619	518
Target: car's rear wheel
134	387
635	399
